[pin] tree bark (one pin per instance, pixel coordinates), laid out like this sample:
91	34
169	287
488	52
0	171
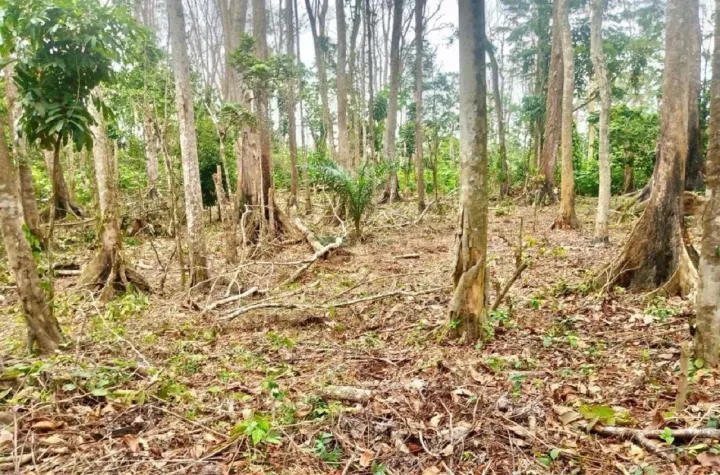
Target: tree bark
707	305
468	308
342	86
500	117
553	109
188	144
43	328
567	217
306	171
392	187
108	269
419	164
693	169
292	132
655	253
602	236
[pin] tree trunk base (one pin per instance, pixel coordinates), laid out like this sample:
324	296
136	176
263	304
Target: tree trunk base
563	222
257	224
646	263
601	241
109	272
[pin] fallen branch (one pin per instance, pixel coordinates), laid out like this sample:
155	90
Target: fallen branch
346	393
348	303
642	437
407	256
320	250
508	285
11	462
234	298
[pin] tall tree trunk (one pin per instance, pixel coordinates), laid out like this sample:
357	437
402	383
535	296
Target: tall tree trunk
151	158
500	117
602	236
188	144
342	86
306	170
43	328
392	187
292	132
655	253
369	17
553	109
707	305
22	160
567	217
468	308
419	164
693	169
108	269
317	28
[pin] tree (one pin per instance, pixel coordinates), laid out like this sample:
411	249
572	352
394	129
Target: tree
292	132
419	168
369	15
21	158
43	328
600	71
188	144
342	86
468	306
500	117
108	268
567	217
707	304
693	170
63	50
317	16
655	253
553	108
392	187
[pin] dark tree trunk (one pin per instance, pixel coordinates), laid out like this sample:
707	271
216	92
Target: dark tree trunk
655	253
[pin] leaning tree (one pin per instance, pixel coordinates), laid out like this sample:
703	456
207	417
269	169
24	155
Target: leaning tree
656	253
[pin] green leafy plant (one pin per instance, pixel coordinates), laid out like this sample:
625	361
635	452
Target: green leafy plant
327	449
666	436
258	429
355	191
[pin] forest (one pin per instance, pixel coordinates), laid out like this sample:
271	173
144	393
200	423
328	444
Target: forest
378	237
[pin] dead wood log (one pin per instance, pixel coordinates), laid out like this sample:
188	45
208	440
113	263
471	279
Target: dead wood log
347	393
234	298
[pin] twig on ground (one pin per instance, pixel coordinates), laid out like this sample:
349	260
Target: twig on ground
302	306
233	298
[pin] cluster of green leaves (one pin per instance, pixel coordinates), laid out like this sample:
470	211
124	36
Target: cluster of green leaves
355	191
63	49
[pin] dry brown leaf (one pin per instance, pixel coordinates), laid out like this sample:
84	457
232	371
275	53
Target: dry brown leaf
567	415
435	421
366	458
707	459
132	443
46	425
431	471
53	440
448	450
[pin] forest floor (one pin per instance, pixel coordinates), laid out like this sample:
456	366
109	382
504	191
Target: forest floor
160	384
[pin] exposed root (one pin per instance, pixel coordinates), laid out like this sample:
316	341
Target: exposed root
109	272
